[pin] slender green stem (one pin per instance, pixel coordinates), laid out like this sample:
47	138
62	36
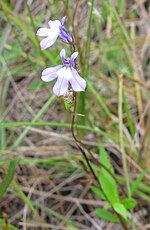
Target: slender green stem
78	142
85	70
53	124
83	150
88	43
124	158
120	114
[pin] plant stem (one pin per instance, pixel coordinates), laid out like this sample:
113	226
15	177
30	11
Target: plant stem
85	70
82	148
79	144
120	115
124	158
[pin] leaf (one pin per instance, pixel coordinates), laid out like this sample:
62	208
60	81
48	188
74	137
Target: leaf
68	105
104	159
98	192
129	203
8	178
143	195
9	227
105	215
71	225
128	115
108	186
120	209
106	180
135	183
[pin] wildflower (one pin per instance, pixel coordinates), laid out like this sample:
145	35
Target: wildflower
56	29
67	76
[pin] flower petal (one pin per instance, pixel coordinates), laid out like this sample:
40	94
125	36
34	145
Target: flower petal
73	57
63	55
54	24
61	86
77	82
61	72
43	32
67	74
50	77
47	42
50	74
64	35
63	20
50	70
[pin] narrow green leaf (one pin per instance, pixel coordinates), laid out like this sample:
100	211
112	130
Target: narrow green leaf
71	225
52	124
8	178
24	198
135	183
143	195
106	180
99	99
128	114
108	186
10	226
121	7
98	192
120	209
105	215
104	158
85	70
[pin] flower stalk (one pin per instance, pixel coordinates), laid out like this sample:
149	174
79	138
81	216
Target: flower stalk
69	82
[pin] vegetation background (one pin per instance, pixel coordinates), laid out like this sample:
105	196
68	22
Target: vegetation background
44	180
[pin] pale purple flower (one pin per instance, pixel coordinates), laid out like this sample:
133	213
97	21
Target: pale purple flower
56	28
66	74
